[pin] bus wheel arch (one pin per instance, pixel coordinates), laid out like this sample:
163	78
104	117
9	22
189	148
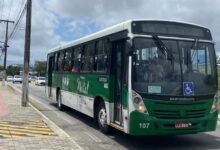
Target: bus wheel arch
97	101
100	114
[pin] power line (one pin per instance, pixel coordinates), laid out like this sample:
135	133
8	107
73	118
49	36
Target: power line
14	30
5	47
21	6
19	16
16	9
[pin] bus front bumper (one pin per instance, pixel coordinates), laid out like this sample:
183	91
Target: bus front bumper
142	124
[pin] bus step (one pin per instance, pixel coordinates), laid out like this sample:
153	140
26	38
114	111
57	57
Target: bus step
116	126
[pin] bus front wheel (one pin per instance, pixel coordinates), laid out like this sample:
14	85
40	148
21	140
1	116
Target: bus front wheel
102	118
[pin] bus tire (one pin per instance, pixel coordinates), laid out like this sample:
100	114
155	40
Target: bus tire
59	100
102	118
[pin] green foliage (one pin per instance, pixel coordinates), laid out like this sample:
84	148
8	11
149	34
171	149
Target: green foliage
40	67
218	69
13	70
1	68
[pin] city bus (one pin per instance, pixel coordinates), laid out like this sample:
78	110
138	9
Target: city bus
142	77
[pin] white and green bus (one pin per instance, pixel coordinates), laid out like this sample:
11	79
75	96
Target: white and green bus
142	77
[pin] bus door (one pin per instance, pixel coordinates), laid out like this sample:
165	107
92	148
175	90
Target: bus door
117	62
50	70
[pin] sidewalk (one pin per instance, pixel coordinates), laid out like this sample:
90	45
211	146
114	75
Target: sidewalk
24	128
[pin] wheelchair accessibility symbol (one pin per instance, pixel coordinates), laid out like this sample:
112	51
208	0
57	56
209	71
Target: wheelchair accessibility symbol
188	88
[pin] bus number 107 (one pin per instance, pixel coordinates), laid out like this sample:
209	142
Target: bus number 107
144	125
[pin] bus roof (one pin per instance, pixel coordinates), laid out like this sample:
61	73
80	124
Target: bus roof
110	30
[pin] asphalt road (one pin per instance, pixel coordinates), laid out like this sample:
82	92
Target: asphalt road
82	129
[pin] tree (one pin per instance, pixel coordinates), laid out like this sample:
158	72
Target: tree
40	67
1	68
13	70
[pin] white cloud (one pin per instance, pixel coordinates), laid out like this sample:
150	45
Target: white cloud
43	34
204	12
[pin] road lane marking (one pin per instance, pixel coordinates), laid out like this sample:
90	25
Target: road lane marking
30	131
5	135
11	129
47	120
25	127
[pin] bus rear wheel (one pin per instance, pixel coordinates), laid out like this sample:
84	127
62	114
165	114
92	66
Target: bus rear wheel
102	118
59	101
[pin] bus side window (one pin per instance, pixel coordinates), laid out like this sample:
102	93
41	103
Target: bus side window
67	59
76	61
61	61
101	56
72	68
56	62
52	63
87	60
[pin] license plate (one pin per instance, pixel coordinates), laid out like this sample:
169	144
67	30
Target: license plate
182	125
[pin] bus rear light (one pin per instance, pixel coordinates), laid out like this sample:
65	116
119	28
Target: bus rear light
139	103
215	104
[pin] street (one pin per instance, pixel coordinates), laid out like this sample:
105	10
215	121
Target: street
82	129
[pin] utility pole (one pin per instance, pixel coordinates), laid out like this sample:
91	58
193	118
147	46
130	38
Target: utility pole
25	86
5	49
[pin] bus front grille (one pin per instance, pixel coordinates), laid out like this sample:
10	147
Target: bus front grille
179	114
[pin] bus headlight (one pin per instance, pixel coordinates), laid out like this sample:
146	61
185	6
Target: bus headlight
215	104
139	103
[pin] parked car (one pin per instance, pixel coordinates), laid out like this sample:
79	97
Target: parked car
10	78
17	78
40	81
33	78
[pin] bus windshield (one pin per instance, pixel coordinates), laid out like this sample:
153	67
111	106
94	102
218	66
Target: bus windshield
189	72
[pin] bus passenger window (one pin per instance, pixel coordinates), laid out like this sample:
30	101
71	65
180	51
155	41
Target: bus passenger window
76	62
87	63
101	56
56	62
61	61
67	64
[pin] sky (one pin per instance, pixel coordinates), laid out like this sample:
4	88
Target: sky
55	22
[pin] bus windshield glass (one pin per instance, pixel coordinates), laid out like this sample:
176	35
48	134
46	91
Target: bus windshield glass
174	67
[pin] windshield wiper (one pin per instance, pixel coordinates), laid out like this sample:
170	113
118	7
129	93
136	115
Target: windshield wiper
194	46
162	47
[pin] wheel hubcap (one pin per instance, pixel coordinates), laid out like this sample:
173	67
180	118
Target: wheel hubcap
102	117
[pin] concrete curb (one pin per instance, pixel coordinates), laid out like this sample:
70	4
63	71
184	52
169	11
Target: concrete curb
50	123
